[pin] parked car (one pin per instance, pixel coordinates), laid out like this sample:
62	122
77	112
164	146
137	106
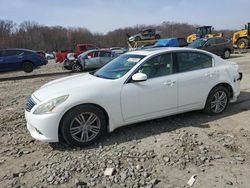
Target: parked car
92	59
218	45
49	56
69	61
145	35
21	59
134	87
80	48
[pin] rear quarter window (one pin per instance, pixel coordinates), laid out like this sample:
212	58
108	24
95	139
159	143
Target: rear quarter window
190	61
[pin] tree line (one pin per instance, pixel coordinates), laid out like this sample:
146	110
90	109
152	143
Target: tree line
32	35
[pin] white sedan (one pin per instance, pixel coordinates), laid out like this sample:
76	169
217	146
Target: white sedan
134	87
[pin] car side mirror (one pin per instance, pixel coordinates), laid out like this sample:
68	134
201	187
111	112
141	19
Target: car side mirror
139	77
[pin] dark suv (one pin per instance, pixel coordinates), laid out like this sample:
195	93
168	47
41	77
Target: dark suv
20	59
217	45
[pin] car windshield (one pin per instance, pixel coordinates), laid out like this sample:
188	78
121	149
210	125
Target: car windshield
119	66
197	43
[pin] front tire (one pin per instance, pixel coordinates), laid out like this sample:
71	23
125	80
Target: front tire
83	125
76	67
27	67
226	54
217	101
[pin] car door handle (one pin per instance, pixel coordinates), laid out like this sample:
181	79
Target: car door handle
169	83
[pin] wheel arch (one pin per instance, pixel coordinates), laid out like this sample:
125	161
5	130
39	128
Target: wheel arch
225	85
93	104
23	61
244	37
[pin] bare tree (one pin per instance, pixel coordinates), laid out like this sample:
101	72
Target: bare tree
34	36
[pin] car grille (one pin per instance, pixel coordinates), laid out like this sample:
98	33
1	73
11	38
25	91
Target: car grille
30	103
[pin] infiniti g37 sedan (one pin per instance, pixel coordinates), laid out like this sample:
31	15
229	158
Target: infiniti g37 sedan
134	87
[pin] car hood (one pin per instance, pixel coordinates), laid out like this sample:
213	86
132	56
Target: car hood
64	86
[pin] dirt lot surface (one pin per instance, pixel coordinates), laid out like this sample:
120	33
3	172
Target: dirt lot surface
161	153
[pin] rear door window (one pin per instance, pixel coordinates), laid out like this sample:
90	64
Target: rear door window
221	41
190	61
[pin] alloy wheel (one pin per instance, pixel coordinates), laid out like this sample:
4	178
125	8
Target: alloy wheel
227	54
85	127
219	102
76	68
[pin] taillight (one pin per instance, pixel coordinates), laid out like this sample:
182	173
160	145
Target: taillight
42	55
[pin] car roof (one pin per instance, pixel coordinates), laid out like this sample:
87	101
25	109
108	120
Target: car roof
152	51
22	49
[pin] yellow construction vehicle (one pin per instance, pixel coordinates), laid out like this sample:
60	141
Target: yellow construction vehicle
241	39
203	32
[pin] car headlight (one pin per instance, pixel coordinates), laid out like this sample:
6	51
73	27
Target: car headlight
48	106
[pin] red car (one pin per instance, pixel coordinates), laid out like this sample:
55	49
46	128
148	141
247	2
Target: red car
80	48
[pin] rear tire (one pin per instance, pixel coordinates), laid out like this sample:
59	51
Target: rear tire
217	101
226	54
76	67
83	125
242	43
27	67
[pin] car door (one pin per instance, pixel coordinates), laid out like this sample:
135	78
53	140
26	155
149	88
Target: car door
196	76
93	61
155	97
105	57
221	44
211	46
12	59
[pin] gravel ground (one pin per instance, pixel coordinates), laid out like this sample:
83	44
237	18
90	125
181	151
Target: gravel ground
161	153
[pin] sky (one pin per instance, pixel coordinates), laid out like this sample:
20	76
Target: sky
107	15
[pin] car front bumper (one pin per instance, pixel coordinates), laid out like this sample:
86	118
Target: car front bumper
43	127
